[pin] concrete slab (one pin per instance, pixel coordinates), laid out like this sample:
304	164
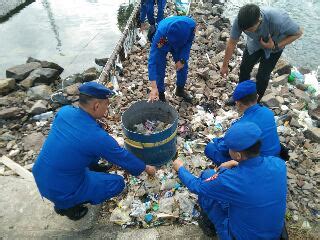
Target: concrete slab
25	215
23	210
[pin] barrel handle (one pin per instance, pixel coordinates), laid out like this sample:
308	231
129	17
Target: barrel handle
142	145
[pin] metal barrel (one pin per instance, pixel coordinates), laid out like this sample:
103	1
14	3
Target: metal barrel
157	148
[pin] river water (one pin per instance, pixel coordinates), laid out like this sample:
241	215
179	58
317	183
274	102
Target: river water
305	51
71	33
74	32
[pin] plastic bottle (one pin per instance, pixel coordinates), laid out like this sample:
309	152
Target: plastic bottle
43	116
296	76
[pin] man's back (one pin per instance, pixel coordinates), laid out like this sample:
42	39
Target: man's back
264	118
255	192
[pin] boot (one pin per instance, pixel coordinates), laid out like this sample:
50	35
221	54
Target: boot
74	213
162	97
180	92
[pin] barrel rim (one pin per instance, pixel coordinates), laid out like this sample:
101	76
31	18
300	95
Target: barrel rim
152	134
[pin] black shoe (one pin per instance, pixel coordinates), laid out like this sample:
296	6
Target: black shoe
74	213
162	97
230	102
206	225
180	92
100	167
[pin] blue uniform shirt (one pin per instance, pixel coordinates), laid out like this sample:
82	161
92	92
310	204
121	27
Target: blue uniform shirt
181	46
275	22
262	116
76	141
254	193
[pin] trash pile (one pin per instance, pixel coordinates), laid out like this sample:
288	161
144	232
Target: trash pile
150	127
158	200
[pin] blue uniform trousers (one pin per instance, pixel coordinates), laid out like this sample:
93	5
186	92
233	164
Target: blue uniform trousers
147	10
161	70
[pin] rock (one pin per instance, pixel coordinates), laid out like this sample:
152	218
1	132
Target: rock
39	107
90	74
10	113
315	113
52	65
280	81
313	134
7	85
20	72
44	75
14	152
72	89
39	92
28	82
7	137
301	86
299	105
301	95
46	64
224	36
282	67
102	61
271	100
33	141
307	186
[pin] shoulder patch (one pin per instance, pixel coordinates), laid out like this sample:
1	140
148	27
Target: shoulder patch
162	42
213	177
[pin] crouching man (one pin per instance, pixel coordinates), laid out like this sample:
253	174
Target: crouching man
66	168
246	197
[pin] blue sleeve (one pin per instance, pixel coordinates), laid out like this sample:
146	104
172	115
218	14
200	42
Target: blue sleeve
153	56
109	149
215	189
235	30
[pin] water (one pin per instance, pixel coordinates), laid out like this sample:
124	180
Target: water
304	51
69	32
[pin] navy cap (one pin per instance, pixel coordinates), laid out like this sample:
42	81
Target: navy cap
244	89
96	90
242	135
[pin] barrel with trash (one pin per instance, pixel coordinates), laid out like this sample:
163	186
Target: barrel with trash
150	131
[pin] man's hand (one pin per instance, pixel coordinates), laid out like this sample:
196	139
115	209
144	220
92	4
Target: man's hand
177	164
150	170
154	94
179	66
224	71
229	164
269	44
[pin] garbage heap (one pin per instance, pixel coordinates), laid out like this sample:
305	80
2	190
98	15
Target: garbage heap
163	199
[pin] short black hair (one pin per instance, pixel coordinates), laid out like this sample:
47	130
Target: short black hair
253	151
248	16
85	99
249	99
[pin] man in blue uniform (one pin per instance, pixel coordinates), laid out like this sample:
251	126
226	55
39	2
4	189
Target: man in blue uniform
65	171
147	10
246	197
175	35
245	96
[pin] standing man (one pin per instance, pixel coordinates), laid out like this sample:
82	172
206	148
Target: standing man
245	97
67	171
268	31
175	35
147	10
246	197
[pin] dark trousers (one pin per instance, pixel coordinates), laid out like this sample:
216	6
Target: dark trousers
265	68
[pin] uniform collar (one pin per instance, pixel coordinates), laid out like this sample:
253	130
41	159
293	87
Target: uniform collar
252	108
252	161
